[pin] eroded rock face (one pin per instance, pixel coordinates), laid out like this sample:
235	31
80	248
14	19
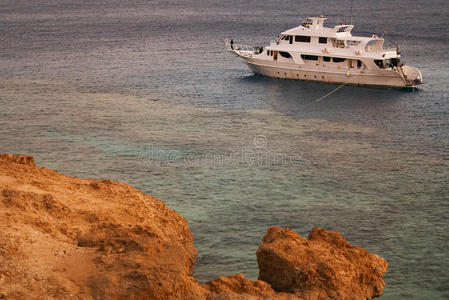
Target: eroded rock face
20	159
63	237
70	238
237	287
324	266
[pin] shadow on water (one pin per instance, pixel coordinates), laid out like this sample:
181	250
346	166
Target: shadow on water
299	98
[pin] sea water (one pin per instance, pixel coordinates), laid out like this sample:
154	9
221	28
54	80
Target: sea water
143	92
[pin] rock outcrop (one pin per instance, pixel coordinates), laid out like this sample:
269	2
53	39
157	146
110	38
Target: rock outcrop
70	238
237	287
63	237
324	266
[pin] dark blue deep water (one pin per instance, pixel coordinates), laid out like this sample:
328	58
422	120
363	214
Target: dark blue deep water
143	92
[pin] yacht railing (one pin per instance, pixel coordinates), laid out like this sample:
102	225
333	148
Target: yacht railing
381	50
240	49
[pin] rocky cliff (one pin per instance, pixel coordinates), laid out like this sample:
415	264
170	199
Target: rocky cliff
70	238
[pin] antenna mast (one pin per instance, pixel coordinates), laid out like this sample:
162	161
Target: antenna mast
351	14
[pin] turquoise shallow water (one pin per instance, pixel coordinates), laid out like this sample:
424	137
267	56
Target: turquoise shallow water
142	92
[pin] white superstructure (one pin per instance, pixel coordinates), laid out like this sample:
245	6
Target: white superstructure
314	52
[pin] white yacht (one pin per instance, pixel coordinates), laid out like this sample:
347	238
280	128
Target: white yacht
314	52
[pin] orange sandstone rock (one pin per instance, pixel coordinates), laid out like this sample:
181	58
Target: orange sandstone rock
20	159
237	287
70	238
324	266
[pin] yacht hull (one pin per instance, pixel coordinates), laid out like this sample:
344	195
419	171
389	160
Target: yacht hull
387	78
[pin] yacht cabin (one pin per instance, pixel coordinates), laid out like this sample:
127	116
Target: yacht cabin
311	42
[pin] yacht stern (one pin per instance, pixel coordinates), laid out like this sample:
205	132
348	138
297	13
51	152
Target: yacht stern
412	76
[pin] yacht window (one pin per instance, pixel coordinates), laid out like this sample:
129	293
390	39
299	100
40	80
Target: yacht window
285	37
352	43
285	54
309	57
338	59
322	40
302	38
395	61
326	58
374	45
359	64
383	64
306	24
379	63
343	28
338	43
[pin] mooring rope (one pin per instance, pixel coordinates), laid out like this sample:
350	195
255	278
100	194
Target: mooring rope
336	89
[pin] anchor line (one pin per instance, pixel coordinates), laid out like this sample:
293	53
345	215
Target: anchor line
336	89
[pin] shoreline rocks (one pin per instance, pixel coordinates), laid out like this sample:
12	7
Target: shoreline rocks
71	238
324	266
